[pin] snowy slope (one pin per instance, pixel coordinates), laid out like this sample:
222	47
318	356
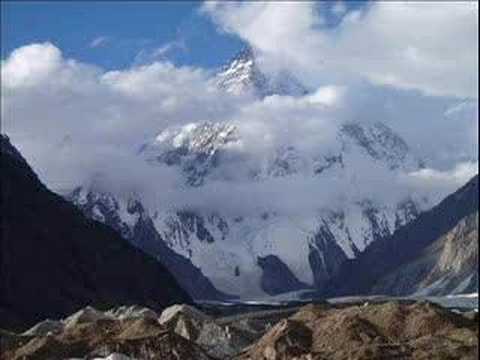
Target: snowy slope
227	249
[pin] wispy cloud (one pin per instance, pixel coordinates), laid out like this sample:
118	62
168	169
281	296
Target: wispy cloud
168	47
159	53
99	41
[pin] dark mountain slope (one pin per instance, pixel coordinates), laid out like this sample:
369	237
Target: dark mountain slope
144	236
448	266
53	260
411	243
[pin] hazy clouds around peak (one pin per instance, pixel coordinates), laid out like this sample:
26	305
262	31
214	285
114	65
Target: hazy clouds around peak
75	122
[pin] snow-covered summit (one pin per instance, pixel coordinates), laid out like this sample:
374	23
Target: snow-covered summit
195	148
243	75
204	150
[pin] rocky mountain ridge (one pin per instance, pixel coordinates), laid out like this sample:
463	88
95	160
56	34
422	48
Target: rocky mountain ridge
437	253
54	260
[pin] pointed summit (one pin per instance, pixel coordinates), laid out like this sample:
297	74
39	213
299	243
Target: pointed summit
243	76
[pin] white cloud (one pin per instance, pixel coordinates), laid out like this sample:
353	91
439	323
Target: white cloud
105	116
435	183
99	41
29	65
160	53
327	95
74	122
166	48
459	175
428	46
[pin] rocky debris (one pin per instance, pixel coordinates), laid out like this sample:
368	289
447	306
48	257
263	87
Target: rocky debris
10	340
89	315
45	328
287	340
471	315
92	336
114	356
216	339
374	331
175	311
185	320
129	312
85	315
222	341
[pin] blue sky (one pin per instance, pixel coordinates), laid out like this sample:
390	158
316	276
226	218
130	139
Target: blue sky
115	35
130	31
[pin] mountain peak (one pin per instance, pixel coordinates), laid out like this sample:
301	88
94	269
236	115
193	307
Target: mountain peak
194	147
247	53
242	75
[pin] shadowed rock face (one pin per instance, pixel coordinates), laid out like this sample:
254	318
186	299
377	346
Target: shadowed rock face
277	277
448	266
53	260
437	251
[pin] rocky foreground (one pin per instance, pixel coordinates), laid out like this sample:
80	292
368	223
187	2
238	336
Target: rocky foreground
388	330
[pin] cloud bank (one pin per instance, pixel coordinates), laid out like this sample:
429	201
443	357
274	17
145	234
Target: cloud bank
428	46
75	122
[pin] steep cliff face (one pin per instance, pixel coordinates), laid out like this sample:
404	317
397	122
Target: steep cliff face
435	254
54	260
277	277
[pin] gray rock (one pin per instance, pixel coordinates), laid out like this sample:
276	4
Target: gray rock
45	327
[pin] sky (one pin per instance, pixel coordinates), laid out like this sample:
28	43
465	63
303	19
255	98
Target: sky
84	85
116	35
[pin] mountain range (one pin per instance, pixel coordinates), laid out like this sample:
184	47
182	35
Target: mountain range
218	255
111	249
251	255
